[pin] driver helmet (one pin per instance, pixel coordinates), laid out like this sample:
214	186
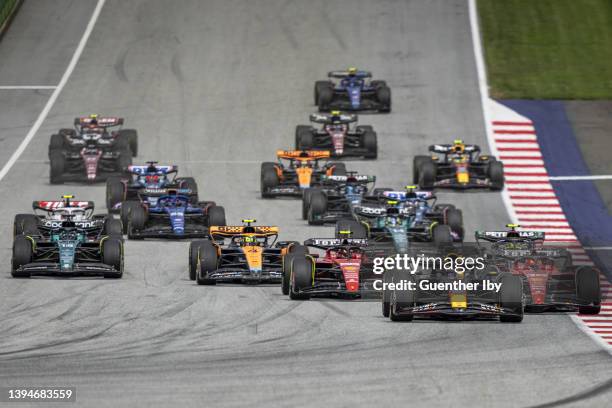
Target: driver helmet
458	146
352	71
334	116
93	120
411	192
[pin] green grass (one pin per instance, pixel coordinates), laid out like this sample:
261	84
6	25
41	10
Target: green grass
548	49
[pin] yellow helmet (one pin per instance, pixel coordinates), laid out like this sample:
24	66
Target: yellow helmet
352	70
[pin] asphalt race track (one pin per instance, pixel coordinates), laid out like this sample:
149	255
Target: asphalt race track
216	87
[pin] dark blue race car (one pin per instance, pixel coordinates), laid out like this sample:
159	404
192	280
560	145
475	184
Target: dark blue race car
352	90
170	213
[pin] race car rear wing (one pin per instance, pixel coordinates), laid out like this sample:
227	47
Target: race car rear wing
494	236
358	178
57	204
403	195
143	170
106	121
303	154
344	74
327	118
160	192
327	243
448	148
232	230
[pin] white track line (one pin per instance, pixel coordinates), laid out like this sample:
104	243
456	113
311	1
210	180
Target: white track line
484	96
43	114
26	87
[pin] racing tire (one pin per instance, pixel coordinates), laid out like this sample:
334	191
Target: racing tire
206	262
57	142
383	94
511	297
216	216
269	179
441	234
496	175
317	89
427	175
137	219
339	169
124	160
306	202
191	184
317	207
115	192
124	213
57	164
326	96
364	128
287	260
386	294
194	247
454	219
25	224
588	290
131	135
301	271
304	139
113	228
357	229
400	299
417	162
112	254
370	144
22	255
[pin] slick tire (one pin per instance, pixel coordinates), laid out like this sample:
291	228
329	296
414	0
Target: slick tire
304	139
22	255
112	254
454	219
357	229
441	234
25	224
496	175
206	262
511	297
269	179
57	164
417	162
115	192
427	175
317	208
124	160
370	144
383	94
401	299
301	278
137	220
190	184
131	136
56	142
306	202
216	216
386	293
113	228
296	251
326	96
317	89
125	211
588	290
194	248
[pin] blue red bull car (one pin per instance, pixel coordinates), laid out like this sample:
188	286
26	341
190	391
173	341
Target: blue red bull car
352	90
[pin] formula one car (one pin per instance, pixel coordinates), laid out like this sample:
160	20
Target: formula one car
337	136
334	199
170	213
454	293
147	179
244	253
301	172
459	166
550	280
90	152
344	268
403	217
65	238
352	91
